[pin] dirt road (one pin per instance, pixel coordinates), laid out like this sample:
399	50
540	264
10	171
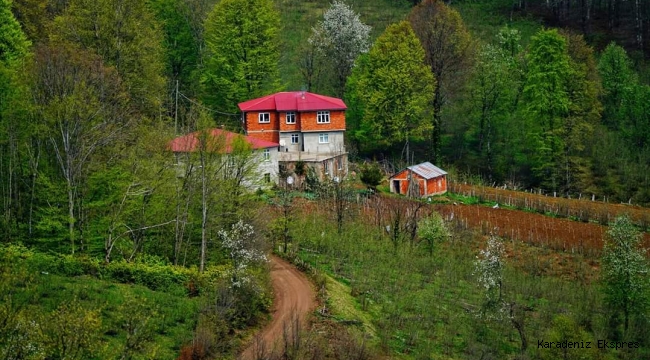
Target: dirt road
293	295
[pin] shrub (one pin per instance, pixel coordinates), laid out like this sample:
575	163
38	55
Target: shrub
371	175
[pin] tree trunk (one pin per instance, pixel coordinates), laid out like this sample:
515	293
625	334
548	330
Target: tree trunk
436	133
204	208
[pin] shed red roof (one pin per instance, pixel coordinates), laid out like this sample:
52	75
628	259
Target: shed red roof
222	140
293	101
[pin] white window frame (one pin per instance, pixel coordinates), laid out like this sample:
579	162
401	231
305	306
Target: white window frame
266	154
264	117
291	115
324	138
339	163
323	117
295	139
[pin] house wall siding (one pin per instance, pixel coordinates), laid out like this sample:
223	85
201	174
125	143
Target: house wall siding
335	145
267	167
286	136
289	127
265	131
309	121
434	186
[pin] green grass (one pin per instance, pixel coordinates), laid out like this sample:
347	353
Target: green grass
161	322
484	19
428	307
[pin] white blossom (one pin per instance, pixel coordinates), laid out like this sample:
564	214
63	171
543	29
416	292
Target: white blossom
243	250
488	269
341	36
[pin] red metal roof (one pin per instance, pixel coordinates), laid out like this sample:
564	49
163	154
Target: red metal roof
222	141
293	101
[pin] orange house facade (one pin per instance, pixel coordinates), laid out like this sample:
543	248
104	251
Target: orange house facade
419	181
309	127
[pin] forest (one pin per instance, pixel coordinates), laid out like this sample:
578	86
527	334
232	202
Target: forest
111	246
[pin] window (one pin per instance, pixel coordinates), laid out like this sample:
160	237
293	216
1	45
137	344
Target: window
267	177
323	138
295	138
291	117
264	117
326	166
339	164
267	155
323	117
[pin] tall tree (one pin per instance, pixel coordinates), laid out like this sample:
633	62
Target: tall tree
625	271
81	107
341	37
392	89
492	88
548	100
447	45
618	79
125	35
13	43
181	46
241	53
584	89
13	48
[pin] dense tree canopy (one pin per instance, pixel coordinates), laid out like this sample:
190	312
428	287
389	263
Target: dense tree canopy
447	46
241	53
13	43
394	87
130	40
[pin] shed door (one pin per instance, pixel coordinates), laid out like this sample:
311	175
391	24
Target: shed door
396	186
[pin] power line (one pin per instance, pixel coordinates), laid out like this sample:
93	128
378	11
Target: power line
205	107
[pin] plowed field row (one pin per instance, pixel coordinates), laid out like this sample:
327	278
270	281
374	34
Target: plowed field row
536	229
581	209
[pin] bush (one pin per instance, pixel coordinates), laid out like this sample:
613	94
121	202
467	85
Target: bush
371	175
151	272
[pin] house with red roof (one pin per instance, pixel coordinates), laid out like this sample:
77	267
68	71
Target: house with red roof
265	153
308	127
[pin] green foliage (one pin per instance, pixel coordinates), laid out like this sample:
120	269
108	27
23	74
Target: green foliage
44	315
565	329
625	272
447	45
421	307
242	53
615	69
433	231
561	95
371	175
393	87
72	331
130	40
181	47
13	43
493	87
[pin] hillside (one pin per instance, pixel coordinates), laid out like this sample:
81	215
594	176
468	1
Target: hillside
116	244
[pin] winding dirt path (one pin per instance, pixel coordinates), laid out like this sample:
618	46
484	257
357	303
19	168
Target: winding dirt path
293	295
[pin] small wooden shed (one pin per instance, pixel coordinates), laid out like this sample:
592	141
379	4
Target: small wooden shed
419	180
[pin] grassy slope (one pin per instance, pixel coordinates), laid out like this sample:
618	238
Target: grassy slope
168	317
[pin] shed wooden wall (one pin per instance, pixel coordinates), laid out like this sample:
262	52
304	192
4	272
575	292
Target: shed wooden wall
434	186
